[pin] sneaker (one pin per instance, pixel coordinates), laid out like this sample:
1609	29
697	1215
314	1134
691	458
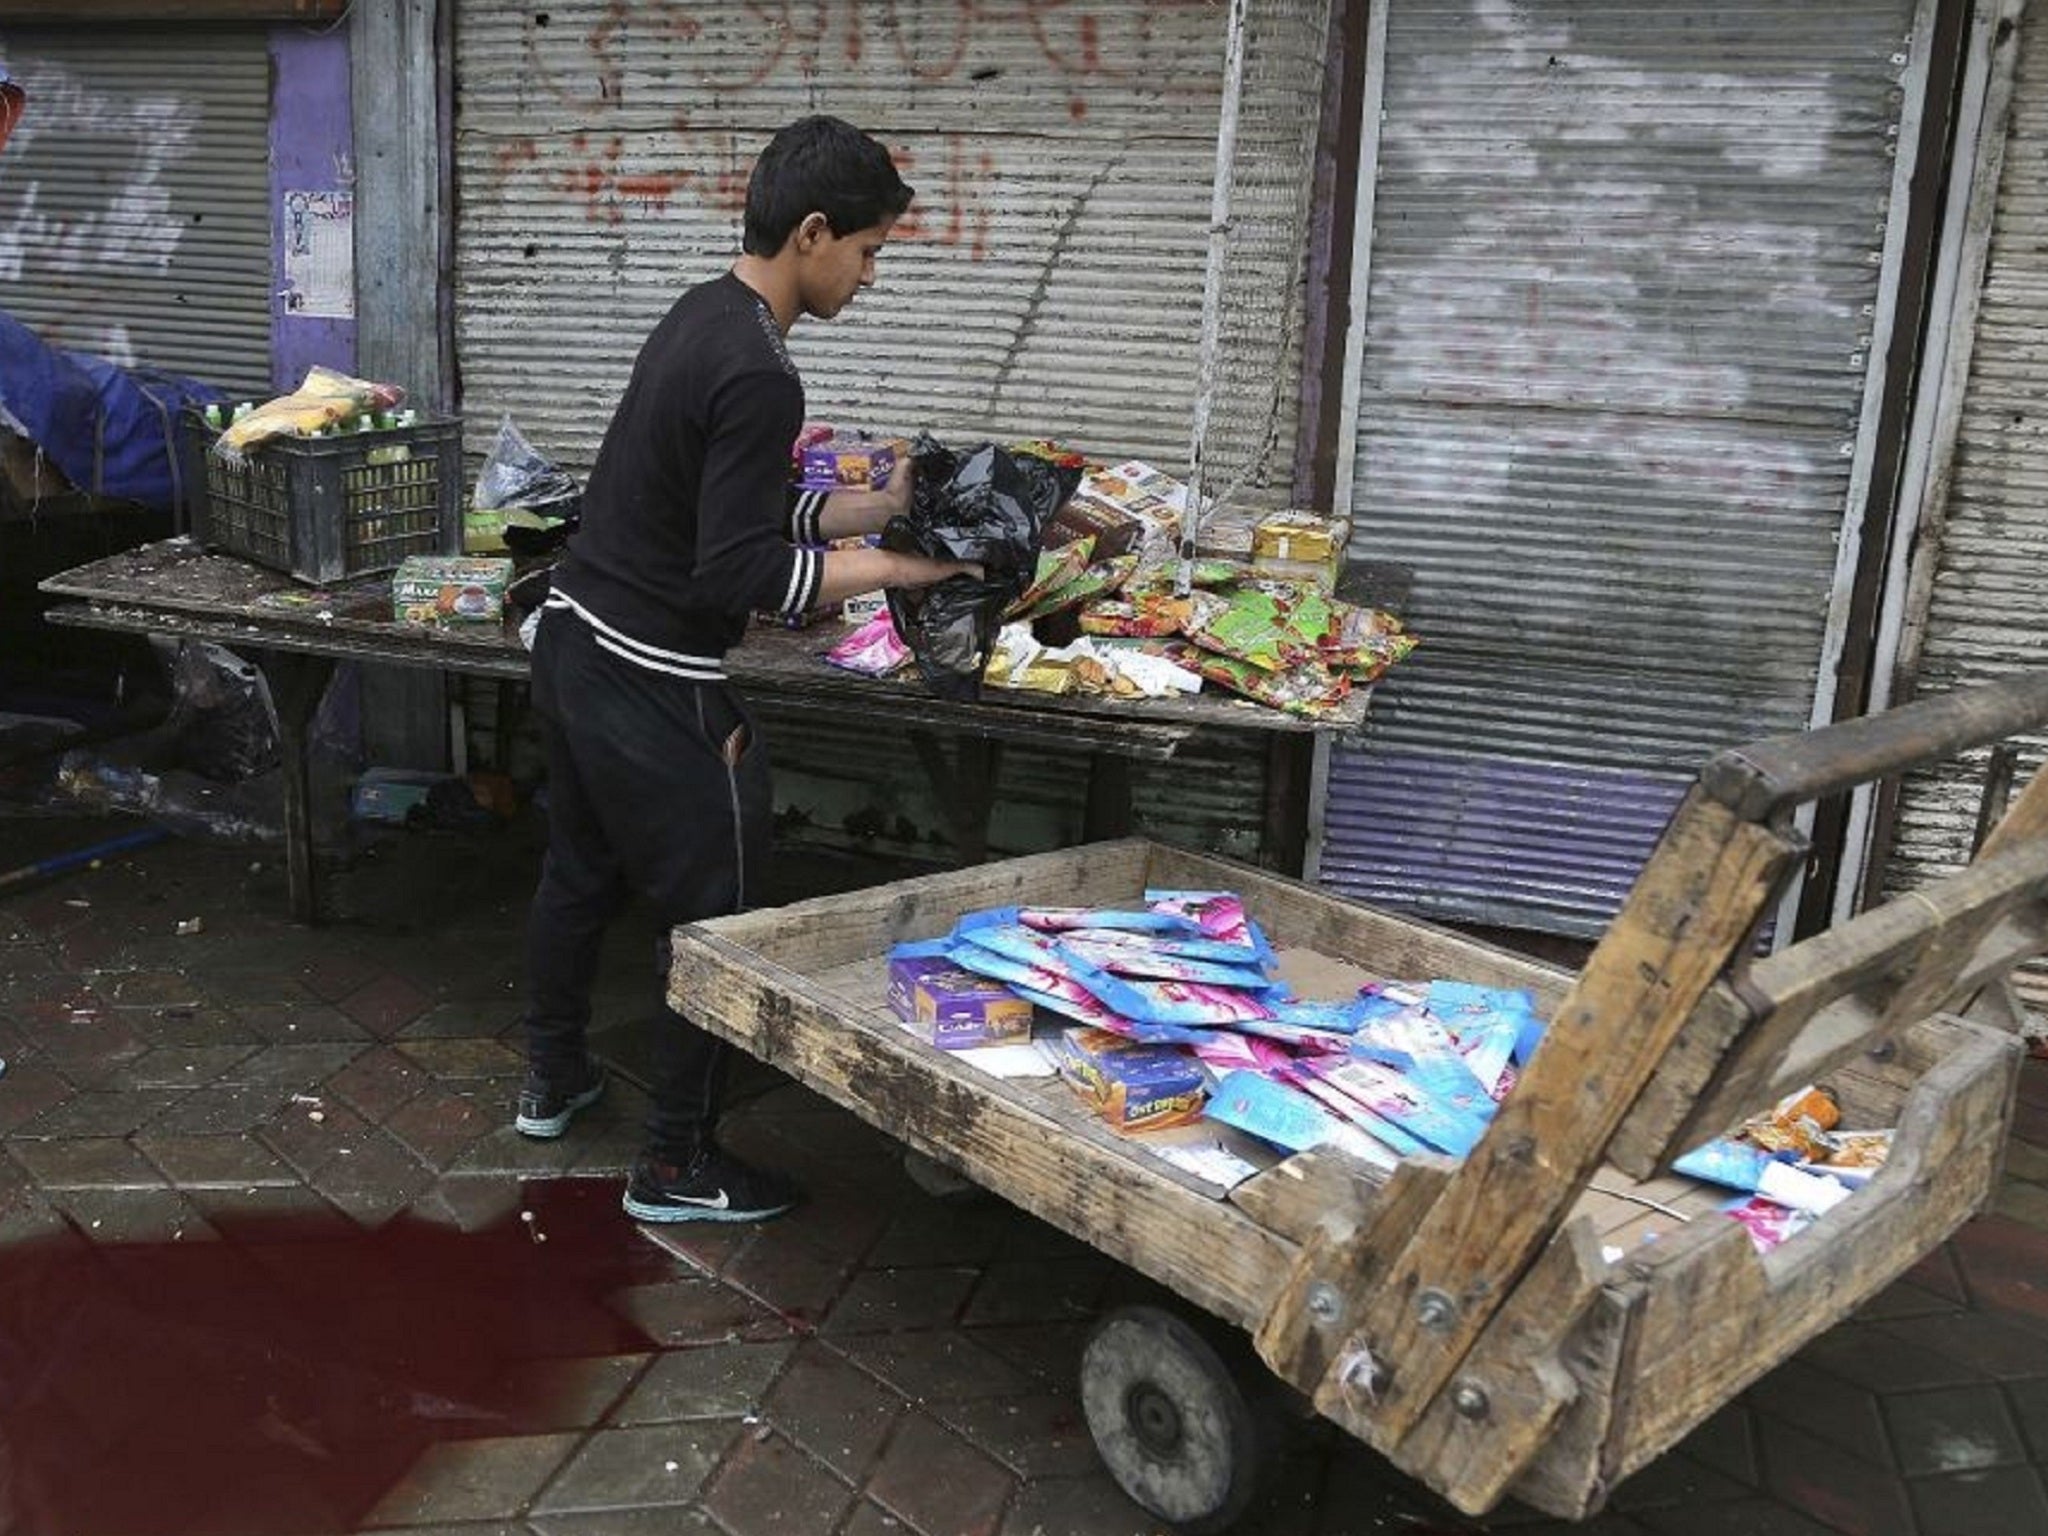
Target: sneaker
715	1186
546	1108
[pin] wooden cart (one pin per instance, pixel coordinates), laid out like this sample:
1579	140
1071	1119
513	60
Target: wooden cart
1470	1321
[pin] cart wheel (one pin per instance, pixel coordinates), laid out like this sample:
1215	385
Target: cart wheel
1169	1420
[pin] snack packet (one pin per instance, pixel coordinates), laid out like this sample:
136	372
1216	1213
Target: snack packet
1770	1225
1796	1123
1219	915
1099	580
1152	616
1173	1002
1290	1119
1061	919
1355	1114
873	649
1396	1097
1419	1047
1227	951
1855	1157
1310	690
1125	959
1056	567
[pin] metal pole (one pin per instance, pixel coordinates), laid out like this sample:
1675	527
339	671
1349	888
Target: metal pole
1212	284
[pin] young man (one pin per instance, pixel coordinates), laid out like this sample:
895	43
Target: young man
656	779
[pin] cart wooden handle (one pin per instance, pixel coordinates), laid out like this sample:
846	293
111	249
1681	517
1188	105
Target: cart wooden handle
1398	1321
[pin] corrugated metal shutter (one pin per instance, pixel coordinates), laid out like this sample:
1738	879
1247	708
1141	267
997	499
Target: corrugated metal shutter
1623	269
134	197
1985	614
1052	280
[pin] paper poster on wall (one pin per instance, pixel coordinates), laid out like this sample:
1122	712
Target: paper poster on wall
319	255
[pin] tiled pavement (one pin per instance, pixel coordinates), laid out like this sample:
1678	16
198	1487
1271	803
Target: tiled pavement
202	1129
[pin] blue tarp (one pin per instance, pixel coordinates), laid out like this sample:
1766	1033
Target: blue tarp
111	430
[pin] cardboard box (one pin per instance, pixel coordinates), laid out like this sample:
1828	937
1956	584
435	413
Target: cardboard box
1131	506
1308	537
450	589
845	462
1133	1086
392	795
1115	532
953	1009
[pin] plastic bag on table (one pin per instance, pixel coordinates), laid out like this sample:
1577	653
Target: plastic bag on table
987	505
523	501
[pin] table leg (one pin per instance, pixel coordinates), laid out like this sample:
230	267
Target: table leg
966	787
1290	778
1109	797
297	682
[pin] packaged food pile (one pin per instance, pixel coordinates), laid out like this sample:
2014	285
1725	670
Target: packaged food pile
1790	1165
1174	1010
1099	613
1280	641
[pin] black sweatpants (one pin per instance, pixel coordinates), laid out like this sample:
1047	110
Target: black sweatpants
656	785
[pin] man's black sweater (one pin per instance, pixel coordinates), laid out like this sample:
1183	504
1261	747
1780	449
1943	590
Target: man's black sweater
687	517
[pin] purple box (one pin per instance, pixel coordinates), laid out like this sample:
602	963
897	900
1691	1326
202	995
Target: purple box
1133	1086
846	463
954	1009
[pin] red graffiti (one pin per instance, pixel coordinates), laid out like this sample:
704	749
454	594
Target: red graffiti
1084	45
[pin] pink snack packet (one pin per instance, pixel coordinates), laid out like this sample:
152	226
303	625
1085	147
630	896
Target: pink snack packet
1228	1051
874	648
1769	1223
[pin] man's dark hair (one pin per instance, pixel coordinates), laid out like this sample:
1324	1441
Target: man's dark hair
819	165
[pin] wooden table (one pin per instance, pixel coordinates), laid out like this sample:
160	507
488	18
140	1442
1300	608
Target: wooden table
176	588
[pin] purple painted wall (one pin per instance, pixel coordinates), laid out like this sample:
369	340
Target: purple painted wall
311	150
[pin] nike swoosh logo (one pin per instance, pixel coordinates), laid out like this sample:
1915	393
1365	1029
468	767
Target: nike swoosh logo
720	1202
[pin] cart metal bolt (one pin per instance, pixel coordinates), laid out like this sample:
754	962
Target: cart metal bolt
1436	1311
1470	1400
1323	1302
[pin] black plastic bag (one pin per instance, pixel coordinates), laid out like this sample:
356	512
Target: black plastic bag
542	501
221	724
987	505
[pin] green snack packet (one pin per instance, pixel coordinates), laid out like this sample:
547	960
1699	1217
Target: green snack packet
1365	661
1310	689
1150	615
1248	625
1095	581
1056	567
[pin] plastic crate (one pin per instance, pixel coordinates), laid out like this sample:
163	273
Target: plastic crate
326	509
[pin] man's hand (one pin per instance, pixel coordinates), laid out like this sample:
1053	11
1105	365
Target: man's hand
902	480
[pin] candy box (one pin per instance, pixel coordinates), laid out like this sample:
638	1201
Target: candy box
955	1009
844	462
1132	1085
450	589
1307	537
